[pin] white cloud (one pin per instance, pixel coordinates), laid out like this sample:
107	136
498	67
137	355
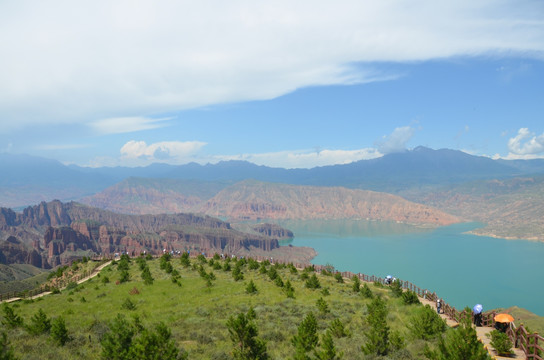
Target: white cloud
173	152
305	158
396	141
127	124
74	62
525	144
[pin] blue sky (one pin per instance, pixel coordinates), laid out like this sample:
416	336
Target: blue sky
283	83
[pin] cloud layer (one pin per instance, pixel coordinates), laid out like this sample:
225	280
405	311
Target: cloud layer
526	145
78	62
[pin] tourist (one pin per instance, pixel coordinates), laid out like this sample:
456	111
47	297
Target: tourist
438	305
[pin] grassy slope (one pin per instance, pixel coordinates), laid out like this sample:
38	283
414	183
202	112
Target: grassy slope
197	315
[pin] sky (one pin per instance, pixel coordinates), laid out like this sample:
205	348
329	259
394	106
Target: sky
293	84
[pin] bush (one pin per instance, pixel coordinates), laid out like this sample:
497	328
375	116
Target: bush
184	260
337	328
409	297
426	324
289	289
459	343
124	276
366	292
278	281
339	278
396	288
59	333
251	288
306	338
6	351
313	282
322	306
501	342
356	283
11	320
243	333
128	305
39	323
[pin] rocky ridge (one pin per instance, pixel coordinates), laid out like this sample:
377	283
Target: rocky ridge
51	234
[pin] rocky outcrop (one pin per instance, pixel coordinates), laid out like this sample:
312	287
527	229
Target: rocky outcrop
56	233
14	251
274	231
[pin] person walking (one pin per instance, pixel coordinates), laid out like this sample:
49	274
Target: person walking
438	305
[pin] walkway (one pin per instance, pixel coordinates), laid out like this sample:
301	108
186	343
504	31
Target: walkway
482	332
92	275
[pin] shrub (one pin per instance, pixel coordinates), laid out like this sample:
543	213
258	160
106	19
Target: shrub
378	334
124	276
237	273
253	264
337	328
202	259
226	266
325	291
251	288
292	269
356	283
289	289
313	282
184	260
426	324
59	333
306	338
39	323
278	281
272	273
71	285
409	297
6	351
339	278
146	276
322	306
11	320
501	342
243	333
396	288
128	305
459	343
366	292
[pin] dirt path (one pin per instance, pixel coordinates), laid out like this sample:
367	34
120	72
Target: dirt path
92	275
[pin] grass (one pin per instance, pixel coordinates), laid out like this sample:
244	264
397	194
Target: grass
197	314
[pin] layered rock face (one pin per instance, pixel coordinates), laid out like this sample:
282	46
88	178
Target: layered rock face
72	230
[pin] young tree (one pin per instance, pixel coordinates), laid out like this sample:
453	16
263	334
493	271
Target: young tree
339	278
251	288
146	276
328	350
313	282
11	320
378	335
6	351
117	342
322	306
39	323
366	292
396	288
356	283
59	333
243	333
426	324
337	329
501	342
185	261
460	343
306	338
155	344
289	289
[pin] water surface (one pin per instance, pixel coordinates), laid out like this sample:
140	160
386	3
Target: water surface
464	269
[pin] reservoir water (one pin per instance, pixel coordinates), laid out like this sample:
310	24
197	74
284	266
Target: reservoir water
463	269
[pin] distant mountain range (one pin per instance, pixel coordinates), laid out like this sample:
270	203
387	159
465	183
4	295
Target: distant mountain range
27	180
438	178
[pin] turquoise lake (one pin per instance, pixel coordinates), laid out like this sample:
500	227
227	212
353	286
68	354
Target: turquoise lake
463	269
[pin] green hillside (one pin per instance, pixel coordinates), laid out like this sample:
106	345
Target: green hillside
196	306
